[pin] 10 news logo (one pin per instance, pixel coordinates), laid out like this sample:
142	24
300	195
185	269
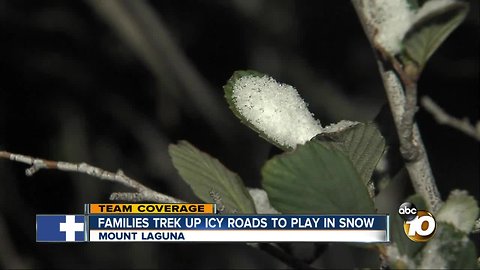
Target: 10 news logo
418	225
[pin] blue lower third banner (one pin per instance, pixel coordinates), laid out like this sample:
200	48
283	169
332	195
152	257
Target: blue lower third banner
214	228
61	228
240	228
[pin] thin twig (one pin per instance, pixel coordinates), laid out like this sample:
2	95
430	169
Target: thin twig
143	193
119	177
418	167
444	118
127	196
217	199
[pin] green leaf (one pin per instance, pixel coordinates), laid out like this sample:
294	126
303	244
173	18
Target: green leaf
362	143
448	249
204	173
228	89
429	32
315	178
460	210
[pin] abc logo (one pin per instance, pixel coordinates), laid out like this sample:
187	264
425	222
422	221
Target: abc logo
419	225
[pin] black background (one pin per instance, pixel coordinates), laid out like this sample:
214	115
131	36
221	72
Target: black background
72	89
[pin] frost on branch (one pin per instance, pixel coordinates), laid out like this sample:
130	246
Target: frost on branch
275	109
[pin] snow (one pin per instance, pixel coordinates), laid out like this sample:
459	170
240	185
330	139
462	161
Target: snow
276	109
460	210
393	19
337	127
260	199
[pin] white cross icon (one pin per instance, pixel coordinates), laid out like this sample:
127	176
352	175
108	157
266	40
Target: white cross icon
70	227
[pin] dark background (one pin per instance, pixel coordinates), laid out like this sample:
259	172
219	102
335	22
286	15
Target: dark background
73	88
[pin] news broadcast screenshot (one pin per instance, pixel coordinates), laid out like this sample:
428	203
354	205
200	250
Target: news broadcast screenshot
239	134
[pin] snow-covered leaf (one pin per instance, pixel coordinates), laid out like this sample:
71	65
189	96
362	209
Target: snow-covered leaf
414	33
460	210
391	20
274	110
448	249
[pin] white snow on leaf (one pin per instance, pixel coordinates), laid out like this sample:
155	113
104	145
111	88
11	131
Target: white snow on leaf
340	126
276	109
393	18
460	210
260	199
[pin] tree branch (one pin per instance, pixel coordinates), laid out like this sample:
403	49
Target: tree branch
143	193
444	118
127	196
408	146
403	106
84	168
